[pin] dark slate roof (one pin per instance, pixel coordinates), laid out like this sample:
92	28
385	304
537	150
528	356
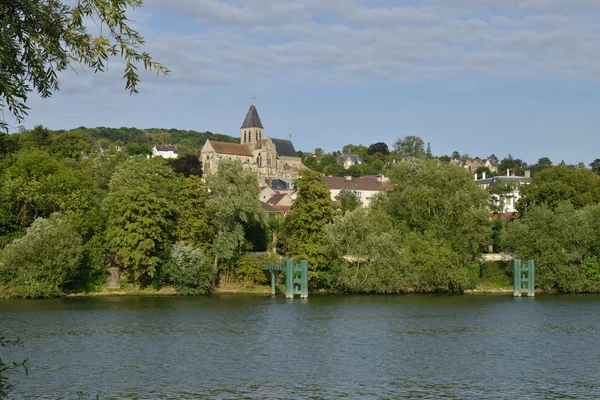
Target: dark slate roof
252	119
284	148
366	183
493	181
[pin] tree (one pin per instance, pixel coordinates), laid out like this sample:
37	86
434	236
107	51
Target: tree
140	208
440	200
43	37
319	152
42	262
187	165
37	138
378	147
410	147
71	145
233	204
515	165
429	154
304	227
595	165
189	269
456	155
193	219
348	200
580	187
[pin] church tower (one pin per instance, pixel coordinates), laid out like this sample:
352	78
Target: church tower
252	129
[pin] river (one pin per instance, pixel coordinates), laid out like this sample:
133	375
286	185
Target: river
226	347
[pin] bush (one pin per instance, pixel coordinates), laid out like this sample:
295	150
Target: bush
42	262
189	270
249	271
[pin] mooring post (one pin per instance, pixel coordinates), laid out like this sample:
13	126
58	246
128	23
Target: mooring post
272	283
304	266
289	278
531	278
517	278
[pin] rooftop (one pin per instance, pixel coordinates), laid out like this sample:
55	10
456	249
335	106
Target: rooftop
252	119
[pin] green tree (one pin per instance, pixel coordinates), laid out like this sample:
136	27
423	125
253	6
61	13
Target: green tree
71	145
554	185
348	200
513	165
140	207
595	165
194	225
42	262
428	153
189	269
43	37
439	200
233	204
410	147
37	138
304	227
378	147
319	152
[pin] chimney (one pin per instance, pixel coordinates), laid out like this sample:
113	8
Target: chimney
475	176
483	177
348	178
528	174
508	172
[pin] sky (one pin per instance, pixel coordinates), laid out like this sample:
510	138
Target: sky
475	76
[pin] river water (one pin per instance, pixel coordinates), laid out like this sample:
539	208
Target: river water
323	347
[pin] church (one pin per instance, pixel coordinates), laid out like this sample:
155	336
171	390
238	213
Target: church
269	158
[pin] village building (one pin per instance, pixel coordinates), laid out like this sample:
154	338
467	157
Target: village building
276	158
165	151
365	187
506	202
347	160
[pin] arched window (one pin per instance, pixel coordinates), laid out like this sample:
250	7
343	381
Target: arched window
257	136
244	136
268	160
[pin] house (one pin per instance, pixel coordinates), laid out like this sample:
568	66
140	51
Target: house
365	187
505	202
269	157
165	151
281	201
347	160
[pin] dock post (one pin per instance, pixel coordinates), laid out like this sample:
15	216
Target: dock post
289	278
531	278
304	284
517	278
272	283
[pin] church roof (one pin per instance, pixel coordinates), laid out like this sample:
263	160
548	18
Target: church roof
284	148
252	119
231	148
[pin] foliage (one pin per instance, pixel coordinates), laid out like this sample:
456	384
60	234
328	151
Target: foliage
140	207
348	200
248	270
442	202
194	226
42	262
232	203
189	269
378	147
498	195
304	226
591	268
557	240
187	165
595	165
43	37
516	166
70	145
580	187
410	147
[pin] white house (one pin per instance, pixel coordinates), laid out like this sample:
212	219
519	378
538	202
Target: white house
365	187
164	151
507	202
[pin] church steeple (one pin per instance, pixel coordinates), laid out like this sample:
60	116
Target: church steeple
252	129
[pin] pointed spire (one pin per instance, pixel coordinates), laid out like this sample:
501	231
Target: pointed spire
252	119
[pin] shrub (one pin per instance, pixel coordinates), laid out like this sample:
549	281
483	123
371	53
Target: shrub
249	271
189	270
42	262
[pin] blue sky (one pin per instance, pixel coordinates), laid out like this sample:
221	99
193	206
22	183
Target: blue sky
476	76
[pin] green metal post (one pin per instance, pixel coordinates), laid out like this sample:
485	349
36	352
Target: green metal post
272	283
530	273
517	278
304	284
289	279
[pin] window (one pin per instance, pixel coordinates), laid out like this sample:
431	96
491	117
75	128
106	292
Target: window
257	136
244	136
259	160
